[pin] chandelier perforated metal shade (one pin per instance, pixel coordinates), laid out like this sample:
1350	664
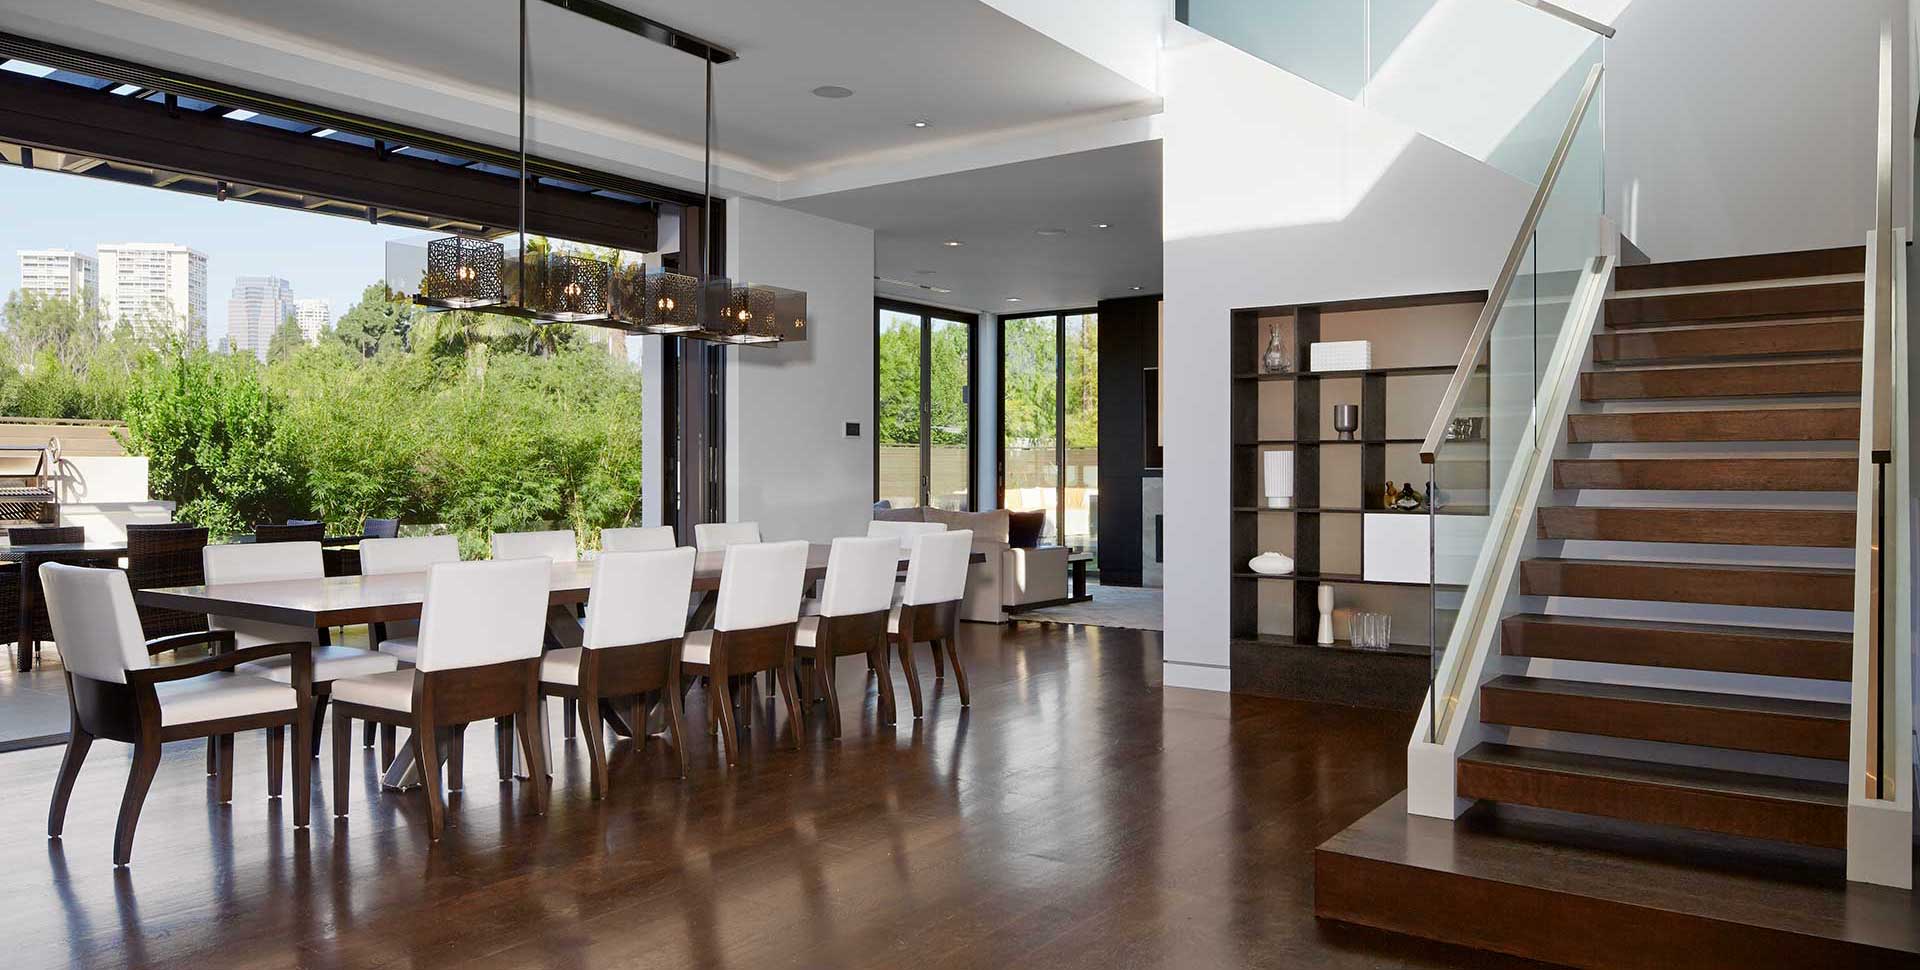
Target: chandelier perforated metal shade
463	272
567	287
737	313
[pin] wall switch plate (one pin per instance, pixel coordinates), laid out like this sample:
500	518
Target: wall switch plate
853	429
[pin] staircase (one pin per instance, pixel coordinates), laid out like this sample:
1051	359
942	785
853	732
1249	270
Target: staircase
1665	727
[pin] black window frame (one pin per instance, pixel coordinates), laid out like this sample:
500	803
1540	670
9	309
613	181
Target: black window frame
1059	412
927	313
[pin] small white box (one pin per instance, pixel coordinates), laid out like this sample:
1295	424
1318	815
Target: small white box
1395	547
1340	355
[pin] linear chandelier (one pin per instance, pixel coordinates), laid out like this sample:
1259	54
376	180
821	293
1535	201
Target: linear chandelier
547	284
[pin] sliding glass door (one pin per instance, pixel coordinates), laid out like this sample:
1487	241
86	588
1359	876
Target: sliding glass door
1050	447
922	415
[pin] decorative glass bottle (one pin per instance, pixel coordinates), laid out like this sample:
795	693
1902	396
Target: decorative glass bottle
1276	360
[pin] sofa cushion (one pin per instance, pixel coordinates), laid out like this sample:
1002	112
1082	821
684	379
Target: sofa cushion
915	514
1025	528
986	526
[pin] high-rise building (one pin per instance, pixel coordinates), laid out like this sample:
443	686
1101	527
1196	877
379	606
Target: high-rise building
256	309
155	285
314	315
58	273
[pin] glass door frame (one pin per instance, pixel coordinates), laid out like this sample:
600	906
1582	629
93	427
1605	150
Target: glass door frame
927	315
1059	410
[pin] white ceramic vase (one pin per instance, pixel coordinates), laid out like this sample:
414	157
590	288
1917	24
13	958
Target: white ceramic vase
1326	614
1271	564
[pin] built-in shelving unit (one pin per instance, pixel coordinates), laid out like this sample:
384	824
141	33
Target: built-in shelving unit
1417	342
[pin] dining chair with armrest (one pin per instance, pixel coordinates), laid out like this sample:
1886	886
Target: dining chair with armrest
855	604
929	607
753	630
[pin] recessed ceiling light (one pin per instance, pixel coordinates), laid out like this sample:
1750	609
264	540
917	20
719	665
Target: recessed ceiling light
1052	232
953	243
1013	299
921	122
1102	225
832	91
1136	289
940	290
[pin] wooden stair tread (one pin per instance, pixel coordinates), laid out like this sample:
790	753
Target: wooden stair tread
1757	303
1709	474
1768	651
1707	799
1824	528
1728	380
1742	269
1726	584
1841	335
1740	722
1731	424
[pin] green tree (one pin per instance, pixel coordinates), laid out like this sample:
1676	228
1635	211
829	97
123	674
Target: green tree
40	323
286	339
376	323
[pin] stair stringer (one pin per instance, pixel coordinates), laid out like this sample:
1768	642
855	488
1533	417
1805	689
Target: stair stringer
1472	654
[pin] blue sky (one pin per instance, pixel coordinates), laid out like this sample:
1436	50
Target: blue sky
321	256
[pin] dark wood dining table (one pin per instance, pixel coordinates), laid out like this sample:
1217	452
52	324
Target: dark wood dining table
30	557
351	600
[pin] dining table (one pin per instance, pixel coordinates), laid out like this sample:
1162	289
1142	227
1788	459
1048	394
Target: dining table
29	557
352	600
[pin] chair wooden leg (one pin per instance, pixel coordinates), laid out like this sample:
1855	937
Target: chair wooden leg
342	751
675	728
387	736
366	734
276	759
748	687
303	730
319	717
939	665
882	669
913	675
823	667
567	715
503	746
226	768
78	742
533	739
457	757
428	750
729	737
591	724
959	672
146	761
796	716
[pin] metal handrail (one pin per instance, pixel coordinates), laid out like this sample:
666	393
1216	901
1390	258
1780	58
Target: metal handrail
1569	16
1878	392
1503	284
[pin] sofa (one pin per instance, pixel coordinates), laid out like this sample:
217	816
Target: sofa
1017	571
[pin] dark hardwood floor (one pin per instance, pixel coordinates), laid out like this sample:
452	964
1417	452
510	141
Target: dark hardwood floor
1078	815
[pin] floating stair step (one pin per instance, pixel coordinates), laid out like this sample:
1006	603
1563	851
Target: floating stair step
1730	802
1767	651
1737	380
1826	528
1757	424
1757	303
1834	336
1715	474
1786	587
1742	269
1739	722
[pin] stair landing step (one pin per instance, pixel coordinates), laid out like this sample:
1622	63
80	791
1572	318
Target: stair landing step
1709	474
1766	651
1827	335
1821	528
1742	269
1731	380
1598	892
1737	722
1703	799
1786	587
1754	424
1757	303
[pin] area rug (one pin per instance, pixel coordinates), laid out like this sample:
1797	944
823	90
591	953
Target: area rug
1127	607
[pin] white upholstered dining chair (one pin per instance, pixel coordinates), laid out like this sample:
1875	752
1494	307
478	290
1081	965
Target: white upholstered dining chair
558	545
261	562
114	691
929	607
854	608
903	532
636	616
717	536
481	630
753	629
657	538
400	639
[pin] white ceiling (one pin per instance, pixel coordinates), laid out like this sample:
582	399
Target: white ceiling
961	64
998	212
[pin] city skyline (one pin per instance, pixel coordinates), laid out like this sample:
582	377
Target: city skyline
324	257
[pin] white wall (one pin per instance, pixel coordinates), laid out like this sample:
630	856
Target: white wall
1122	36
789	466
1277	192
1744	126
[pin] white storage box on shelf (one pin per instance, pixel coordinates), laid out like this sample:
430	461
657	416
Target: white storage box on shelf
1340	355
1394	547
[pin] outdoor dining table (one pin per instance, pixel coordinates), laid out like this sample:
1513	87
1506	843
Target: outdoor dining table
30	557
352	600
